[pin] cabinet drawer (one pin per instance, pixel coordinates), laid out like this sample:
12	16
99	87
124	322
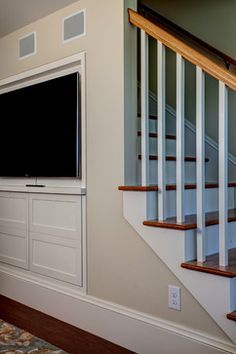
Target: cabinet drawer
14	210
14	229
55	215
14	250
55	236
55	257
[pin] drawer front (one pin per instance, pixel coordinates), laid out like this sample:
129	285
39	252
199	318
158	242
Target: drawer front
53	257
14	229
55	237
56	215
14	210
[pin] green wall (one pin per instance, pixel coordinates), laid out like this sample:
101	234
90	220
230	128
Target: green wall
214	22
211	20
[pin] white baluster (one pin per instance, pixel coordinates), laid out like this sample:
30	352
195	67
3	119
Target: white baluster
200	149
161	99
223	174
180	138
144	110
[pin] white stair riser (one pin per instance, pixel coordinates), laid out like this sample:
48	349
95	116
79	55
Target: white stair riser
170	124
212	240
233	297
170	146
152	125
211	201
190	148
212	237
190	172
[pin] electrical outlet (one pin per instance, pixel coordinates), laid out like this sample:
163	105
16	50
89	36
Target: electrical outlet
174	297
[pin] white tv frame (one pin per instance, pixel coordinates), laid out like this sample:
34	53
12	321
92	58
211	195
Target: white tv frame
74	63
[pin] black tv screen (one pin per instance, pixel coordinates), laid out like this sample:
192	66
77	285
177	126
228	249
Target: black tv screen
40	129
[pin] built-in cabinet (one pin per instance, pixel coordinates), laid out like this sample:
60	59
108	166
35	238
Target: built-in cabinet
43	226
42	233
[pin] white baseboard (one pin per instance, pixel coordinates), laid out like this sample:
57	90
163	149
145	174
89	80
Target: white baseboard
131	329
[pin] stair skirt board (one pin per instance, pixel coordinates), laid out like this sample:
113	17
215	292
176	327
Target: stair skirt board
174	247
211	202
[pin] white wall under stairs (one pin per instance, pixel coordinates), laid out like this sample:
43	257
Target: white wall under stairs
215	293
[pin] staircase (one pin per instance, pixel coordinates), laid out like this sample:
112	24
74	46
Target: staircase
182	208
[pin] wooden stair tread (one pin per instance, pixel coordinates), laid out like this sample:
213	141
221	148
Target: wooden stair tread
212	265
232	316
173	158
155	135
210	185
190	221
151	116
138	188
170	187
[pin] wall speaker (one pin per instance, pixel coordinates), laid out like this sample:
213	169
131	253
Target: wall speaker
27	45
74	26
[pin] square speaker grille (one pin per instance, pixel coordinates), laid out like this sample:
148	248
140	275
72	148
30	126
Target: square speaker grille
74	26
27	45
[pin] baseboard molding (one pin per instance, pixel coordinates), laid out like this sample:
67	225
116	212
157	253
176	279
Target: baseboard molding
131	329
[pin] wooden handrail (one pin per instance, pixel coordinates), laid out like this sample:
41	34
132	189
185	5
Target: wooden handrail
189	53
173	28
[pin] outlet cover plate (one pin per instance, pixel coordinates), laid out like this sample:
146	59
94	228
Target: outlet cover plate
174	297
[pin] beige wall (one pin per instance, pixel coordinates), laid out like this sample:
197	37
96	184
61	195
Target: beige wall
121	267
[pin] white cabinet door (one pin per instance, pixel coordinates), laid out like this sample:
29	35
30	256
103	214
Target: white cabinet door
14	228
55	236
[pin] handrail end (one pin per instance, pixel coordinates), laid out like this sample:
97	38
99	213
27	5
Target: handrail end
130	12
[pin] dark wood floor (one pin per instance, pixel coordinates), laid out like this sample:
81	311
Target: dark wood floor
67	337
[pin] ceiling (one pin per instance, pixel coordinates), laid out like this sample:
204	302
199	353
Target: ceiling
15	14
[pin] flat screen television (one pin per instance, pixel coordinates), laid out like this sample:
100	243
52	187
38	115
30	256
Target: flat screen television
40	129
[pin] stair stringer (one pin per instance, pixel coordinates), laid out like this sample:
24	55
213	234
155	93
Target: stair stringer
215	294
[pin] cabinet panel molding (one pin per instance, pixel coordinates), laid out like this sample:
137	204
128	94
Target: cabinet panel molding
55	215
14	250
57	258
14	210
14	229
